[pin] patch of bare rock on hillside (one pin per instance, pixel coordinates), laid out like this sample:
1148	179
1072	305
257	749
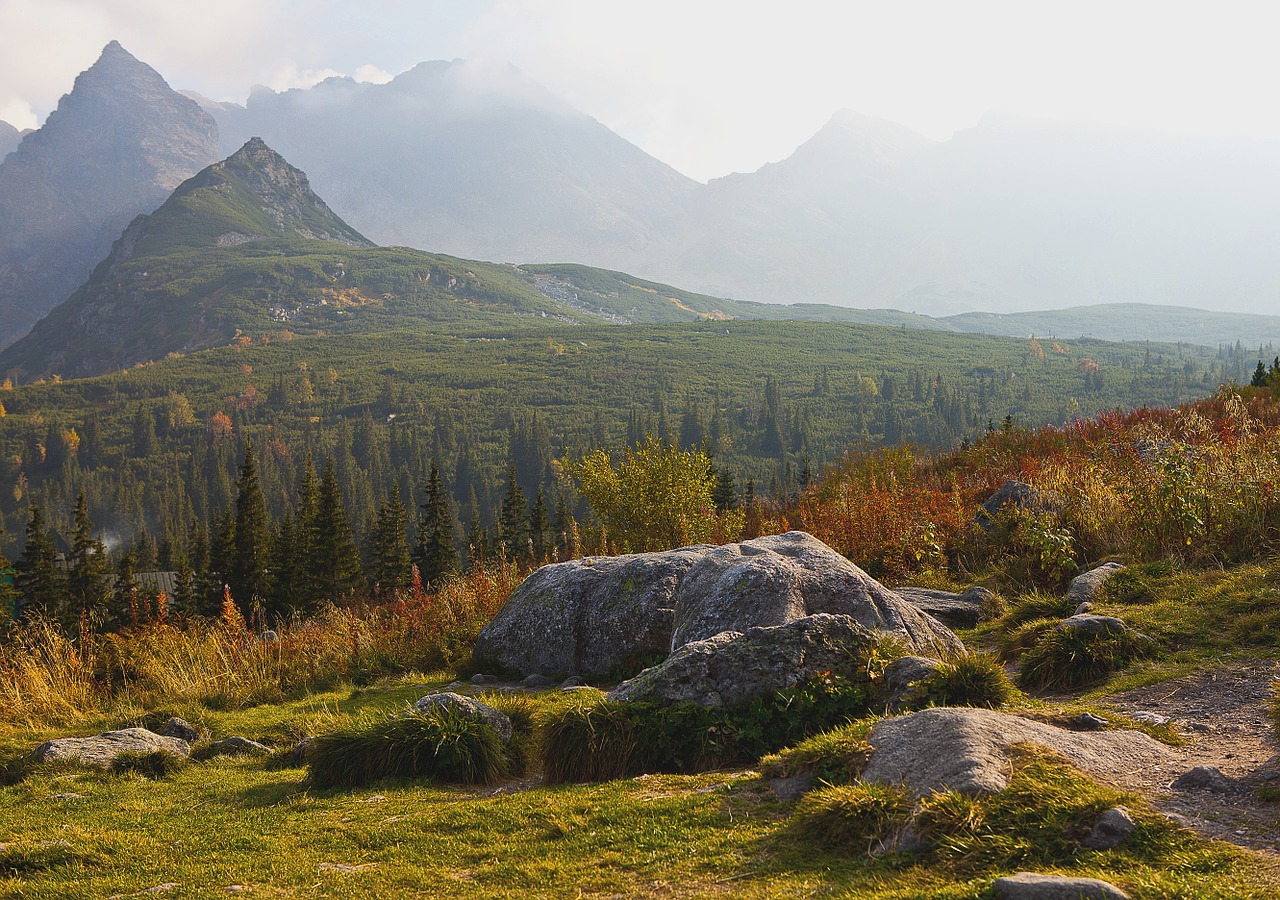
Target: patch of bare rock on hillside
1225	717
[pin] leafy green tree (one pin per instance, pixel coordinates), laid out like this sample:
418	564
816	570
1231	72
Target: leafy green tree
390	569
656	497
251	545
334	557
40	588
436	554
88	570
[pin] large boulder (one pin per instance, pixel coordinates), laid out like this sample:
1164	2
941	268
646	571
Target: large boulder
589	616
1016	495
100	750
963	610
968	750
732	669
1087	587
778	579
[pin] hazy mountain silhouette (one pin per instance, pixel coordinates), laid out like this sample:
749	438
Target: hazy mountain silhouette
117	145
10	137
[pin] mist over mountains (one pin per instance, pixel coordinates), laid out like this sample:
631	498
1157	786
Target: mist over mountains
477	161
10	137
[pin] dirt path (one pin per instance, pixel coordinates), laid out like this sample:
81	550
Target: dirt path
1225	717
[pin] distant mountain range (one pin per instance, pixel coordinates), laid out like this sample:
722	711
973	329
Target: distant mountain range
116	146
866	222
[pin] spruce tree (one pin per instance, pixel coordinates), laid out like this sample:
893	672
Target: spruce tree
36	578
513	522
335	561
87	576
725	493
540	533
390	550
436	554
251	545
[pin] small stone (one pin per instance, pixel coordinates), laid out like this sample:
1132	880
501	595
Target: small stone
470	708
269	637
237	746
479	678
538	681
1030	886
1149	718
1083	608
345	868
571	681
1203	778
791	788
1087	721
574	688
1200	727
1088	623
68	796
1112	830
182	729
454	686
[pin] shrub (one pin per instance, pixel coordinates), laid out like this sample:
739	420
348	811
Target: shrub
853	818
150	764
969	679
1066	658
834	757
442	744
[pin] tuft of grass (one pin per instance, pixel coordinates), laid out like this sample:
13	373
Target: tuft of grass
835	757
968	679
591	739
1037	605
1018	640
853	818
151	764
1071	658
441	744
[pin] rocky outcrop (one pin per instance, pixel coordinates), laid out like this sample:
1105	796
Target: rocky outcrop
1015	495
589	616
236	746
1087	587
100	750
963	610
471	709
968	750
778	579
732	669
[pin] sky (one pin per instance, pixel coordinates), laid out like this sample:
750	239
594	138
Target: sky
708	86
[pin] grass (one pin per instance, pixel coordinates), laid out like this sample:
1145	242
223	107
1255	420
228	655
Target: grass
834	757
854	818
153	764
968	679
1070	658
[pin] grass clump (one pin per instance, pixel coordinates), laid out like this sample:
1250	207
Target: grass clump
1037	605
854	818
589	740
968	679
442	744
151	764
835	757
1068	658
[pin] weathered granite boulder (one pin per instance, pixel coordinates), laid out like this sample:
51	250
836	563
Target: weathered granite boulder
900	676
1087	587
780	578
1111	830
732	669
1030	886
471	708
968	750
1016	495
181	728
100	750
237	746
963	610
589	616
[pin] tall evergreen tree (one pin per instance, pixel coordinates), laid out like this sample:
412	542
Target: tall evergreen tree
436	554
390	556
87	575
563	526
39	586
540	534
335	561
251	545
725	492
513	521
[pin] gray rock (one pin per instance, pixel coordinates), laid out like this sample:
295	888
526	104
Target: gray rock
899	676
1088	623
454	686
1087	721
1112	830
1149	718
791	788
301	749
1030	886
237	746
731	669
1083	608
101	749
968	750
269	637
470	708
592	615
1203	778
571	681
570	688
963	610
180	728
480	678
780	578
1016	495
1087	587
538	681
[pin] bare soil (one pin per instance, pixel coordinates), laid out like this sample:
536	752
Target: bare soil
1225	717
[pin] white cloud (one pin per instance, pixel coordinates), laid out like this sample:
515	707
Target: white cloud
371	74
288	77
19	114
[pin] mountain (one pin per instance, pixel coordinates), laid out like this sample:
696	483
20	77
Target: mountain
473	160
10	137
116	146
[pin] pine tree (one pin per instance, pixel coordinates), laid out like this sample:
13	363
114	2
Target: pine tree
36	578
335	561
436	555
513	522
247	573
87	576
184	587
122	610
540	534
725	493
563	525
390	552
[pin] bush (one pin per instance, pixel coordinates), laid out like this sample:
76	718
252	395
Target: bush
1067	658
853	818
969	679
442	744
833	757
151	764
